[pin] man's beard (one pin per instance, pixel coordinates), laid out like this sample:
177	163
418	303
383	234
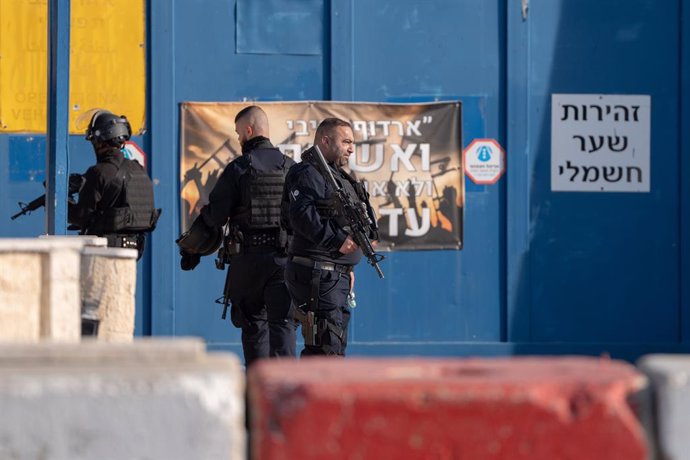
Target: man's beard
342	161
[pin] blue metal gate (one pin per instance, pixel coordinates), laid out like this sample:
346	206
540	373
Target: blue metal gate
541	271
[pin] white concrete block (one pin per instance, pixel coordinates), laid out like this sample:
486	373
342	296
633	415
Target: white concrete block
143	350
108	284
61	300
120	407
39	289
21	279
670	379
84	240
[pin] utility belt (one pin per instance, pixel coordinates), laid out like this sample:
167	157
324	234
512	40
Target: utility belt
318	265
262	239
251	243
123	241
260	249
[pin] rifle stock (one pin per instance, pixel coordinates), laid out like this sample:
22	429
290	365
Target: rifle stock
356	216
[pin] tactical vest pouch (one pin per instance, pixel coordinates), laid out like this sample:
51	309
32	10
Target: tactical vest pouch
361	191
260	213
139	196
266	191
328	209
115	220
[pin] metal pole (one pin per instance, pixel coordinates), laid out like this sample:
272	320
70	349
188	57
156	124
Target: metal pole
57	133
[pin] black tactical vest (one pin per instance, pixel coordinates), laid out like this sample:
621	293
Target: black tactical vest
328	208
261	193
135	211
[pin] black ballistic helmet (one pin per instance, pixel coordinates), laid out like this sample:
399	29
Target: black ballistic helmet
200	238
106	127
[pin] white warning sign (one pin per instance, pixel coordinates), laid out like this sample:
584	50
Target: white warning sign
600	143
484	161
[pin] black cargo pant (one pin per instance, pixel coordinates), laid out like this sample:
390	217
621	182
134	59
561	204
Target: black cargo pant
332	305
261	305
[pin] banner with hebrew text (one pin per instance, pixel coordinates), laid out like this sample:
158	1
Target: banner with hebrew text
409	157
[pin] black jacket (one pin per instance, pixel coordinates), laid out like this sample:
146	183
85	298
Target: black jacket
100	190
314	235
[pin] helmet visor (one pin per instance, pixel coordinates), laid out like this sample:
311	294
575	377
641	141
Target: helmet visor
83	121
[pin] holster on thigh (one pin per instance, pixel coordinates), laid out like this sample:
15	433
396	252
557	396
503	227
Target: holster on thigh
318	332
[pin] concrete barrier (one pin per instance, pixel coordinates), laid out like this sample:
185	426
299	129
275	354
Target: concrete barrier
84	240
108	279
517	408
152	399
108	283
670	379
39	289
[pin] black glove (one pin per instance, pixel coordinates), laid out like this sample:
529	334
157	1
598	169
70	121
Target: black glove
189	261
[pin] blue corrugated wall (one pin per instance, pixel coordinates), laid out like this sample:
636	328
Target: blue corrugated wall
541	272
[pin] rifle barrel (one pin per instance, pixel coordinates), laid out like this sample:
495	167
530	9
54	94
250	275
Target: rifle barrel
27	208
20	213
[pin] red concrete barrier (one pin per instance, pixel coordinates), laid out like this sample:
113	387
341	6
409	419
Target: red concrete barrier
509	408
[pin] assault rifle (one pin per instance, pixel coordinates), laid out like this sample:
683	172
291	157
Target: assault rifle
355	214
76	182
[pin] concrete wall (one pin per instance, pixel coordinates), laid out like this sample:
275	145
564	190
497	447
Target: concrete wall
39	289
108	286
47	284
163	399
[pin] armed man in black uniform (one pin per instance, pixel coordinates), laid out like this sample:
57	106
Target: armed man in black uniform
322	251
247	198
116	199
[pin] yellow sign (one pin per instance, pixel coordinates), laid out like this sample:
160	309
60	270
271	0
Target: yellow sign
107	62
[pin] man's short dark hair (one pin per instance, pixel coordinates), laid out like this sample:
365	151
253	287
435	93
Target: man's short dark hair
247	111
328	125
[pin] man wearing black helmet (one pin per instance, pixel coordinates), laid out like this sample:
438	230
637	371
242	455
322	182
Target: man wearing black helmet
116	200
247	198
